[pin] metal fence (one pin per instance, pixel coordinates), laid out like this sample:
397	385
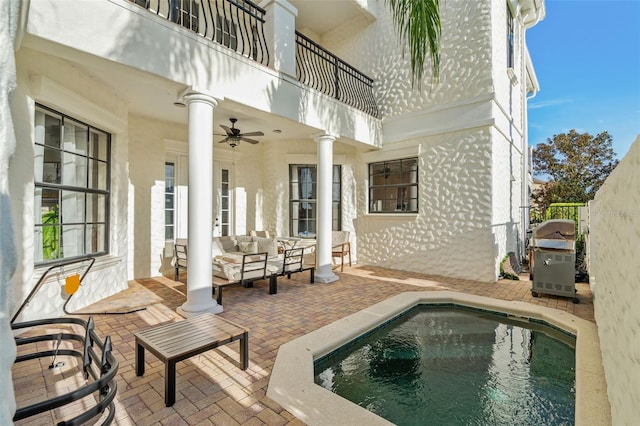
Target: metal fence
570	212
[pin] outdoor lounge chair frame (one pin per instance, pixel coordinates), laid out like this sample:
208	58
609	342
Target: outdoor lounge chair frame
292	263
253	268
95	358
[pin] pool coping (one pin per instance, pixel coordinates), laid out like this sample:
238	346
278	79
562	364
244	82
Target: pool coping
292	386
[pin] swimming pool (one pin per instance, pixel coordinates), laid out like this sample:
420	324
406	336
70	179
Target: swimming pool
292	385
452	365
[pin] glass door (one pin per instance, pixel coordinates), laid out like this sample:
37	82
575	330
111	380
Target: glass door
222	199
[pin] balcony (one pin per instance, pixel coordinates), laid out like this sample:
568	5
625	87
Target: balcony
239	25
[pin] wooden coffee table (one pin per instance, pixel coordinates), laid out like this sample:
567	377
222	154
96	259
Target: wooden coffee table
180	340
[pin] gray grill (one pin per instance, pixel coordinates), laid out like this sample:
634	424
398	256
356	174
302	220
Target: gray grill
553	257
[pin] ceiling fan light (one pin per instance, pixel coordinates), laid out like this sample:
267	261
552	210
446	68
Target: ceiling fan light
233	141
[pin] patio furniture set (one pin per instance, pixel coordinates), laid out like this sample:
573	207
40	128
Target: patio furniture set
236	260
248	258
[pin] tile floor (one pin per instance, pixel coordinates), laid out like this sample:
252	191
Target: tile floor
211	388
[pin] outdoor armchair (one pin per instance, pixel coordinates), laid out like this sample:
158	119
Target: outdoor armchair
340	247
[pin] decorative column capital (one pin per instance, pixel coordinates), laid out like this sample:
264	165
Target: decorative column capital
194	94
325	137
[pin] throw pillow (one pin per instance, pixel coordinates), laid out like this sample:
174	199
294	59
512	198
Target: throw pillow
270	245
228	243
216	249
248	246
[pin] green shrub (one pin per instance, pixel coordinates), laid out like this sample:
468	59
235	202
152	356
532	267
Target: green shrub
50	234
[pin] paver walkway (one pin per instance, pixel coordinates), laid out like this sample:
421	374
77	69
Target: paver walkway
211	389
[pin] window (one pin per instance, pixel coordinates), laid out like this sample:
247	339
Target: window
185	13
169	200
393	186
226	33
303	199
72	174
510	38
225	201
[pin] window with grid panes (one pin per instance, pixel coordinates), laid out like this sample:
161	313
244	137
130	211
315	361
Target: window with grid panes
393	186
303	204
72	187
169	200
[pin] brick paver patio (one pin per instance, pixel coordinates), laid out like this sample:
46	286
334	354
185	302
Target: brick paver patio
211	388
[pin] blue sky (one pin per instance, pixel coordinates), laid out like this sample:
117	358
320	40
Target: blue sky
586	54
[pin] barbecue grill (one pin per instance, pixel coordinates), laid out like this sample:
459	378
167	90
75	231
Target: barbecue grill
552	259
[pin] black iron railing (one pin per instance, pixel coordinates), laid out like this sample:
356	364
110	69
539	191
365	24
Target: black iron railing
101	365
570	211
236	24
322	70
239	25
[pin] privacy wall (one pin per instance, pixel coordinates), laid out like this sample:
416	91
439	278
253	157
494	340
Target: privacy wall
614	232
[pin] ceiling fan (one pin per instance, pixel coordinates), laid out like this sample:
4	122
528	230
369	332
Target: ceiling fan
234	135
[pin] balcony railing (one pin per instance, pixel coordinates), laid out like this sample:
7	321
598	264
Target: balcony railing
236	24
318	68
239	25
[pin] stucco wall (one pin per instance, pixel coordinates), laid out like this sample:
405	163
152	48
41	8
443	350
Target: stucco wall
452	234
466	69
506	194
475	93
147	155
614	233
58	85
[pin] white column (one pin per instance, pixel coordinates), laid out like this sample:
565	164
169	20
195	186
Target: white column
324	274
200	139
280	34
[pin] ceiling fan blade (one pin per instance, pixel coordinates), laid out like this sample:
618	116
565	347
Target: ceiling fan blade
223	140
253	134
253	141
227	129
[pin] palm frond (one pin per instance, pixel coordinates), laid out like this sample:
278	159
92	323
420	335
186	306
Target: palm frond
418	24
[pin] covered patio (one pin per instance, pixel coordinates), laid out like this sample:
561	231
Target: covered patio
211	387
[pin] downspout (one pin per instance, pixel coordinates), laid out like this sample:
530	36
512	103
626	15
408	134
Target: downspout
531	87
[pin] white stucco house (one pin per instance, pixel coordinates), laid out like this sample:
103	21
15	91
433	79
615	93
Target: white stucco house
117	114
110	115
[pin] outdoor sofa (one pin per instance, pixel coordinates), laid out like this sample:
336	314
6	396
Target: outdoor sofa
245	259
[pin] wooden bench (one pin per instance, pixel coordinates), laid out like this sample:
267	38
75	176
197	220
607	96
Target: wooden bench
180	340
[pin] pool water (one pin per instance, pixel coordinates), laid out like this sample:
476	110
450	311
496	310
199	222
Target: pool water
457	366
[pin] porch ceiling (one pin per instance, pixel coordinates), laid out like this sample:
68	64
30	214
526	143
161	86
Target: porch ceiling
322	16
150	96
153	97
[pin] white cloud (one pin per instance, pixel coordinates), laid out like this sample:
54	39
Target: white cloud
550	102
